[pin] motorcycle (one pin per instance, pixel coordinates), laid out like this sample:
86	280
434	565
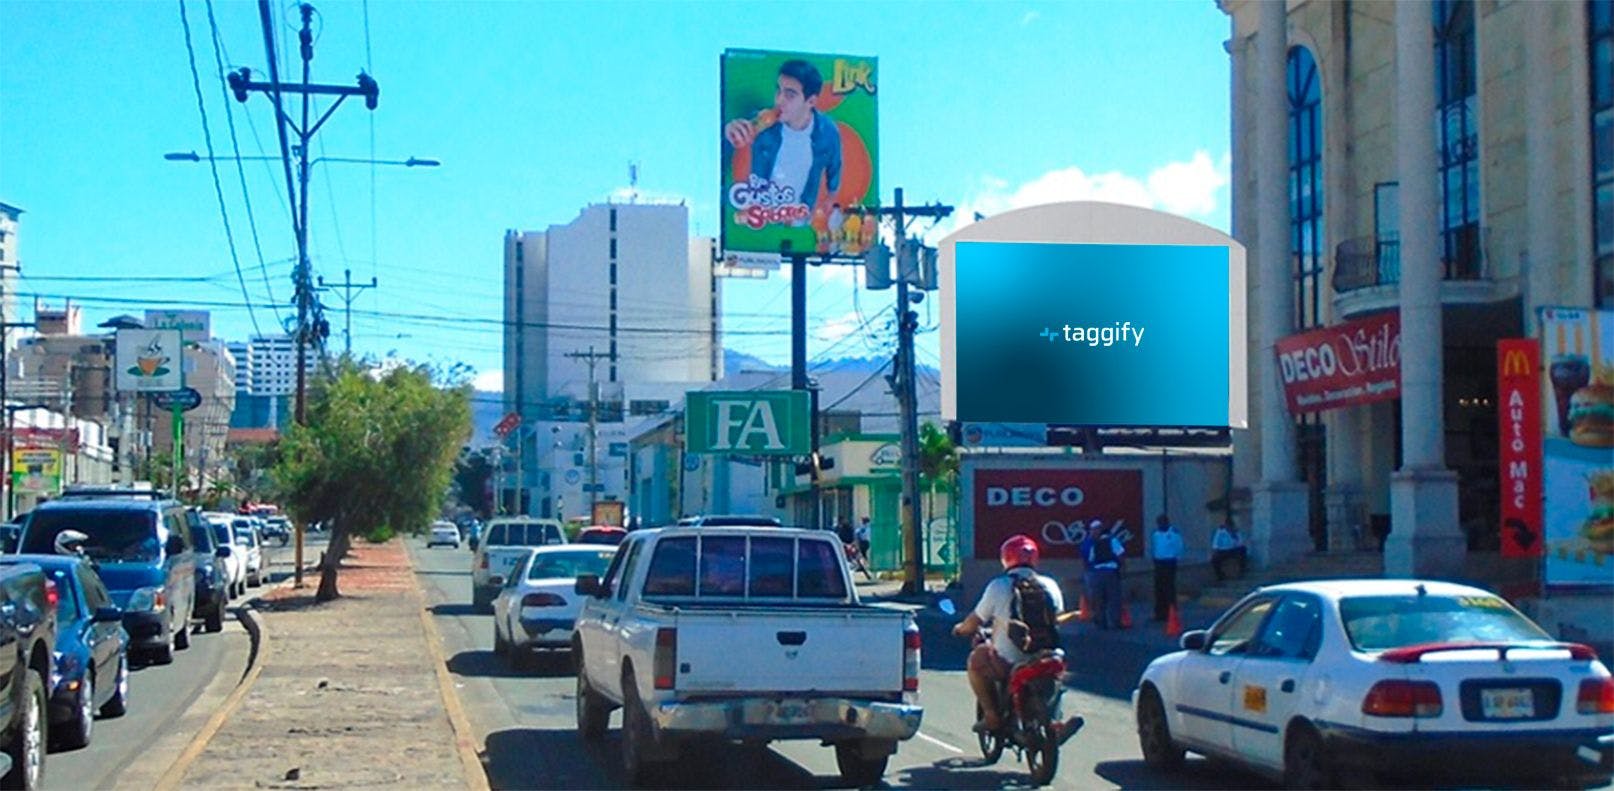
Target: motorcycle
1030	712
856	560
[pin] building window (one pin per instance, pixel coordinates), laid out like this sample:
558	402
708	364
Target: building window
1306	183
1600	54
613	221
613	248
1458	137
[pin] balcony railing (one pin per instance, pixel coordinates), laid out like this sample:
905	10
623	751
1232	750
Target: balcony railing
1368	261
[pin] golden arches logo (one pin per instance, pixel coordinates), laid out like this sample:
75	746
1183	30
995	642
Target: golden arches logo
1516	363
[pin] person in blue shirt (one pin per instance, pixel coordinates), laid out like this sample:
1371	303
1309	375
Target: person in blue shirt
1165	549
796	146
1103	551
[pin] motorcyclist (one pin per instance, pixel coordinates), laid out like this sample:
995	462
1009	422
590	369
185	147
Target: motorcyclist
990	662
70	542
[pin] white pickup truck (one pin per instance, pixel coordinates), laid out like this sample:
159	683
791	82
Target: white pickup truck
748	634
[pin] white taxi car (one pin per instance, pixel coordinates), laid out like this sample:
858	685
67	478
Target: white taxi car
538	605
1322	682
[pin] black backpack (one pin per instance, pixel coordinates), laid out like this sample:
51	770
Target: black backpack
1033	624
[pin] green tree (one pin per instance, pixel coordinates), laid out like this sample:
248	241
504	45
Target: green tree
938	463
375	457
251	467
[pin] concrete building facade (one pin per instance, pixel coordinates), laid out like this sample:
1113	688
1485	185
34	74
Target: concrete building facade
10	265
1448	163
625	291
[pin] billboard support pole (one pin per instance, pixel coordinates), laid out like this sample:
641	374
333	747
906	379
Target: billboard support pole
798	371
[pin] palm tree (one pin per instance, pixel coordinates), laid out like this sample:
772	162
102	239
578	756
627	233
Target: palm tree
938	463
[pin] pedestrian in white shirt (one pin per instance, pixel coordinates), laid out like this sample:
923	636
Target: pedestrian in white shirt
1227	545
1165	549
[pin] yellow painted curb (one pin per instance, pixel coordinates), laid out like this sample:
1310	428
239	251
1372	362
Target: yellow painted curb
172	778
476	777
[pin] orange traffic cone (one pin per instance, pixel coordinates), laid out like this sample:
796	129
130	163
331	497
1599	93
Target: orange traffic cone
1126	616
1083	612
1173	623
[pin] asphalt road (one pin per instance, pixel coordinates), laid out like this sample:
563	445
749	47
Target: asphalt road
524	721
161	698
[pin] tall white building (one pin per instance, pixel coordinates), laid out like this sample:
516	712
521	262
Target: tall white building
9	266
623	288
241	353
267	365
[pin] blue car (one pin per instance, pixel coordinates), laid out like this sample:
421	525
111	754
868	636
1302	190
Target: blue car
91	671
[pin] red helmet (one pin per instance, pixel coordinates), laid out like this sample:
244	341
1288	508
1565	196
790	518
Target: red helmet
1019	550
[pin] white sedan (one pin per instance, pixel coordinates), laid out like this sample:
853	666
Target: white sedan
1319	683
536	608
444	533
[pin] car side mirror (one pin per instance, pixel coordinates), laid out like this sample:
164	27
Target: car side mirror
589	585
1195	640
175	546
223	552
496	581
108	615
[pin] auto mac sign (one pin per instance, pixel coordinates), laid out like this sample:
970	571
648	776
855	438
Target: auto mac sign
748	422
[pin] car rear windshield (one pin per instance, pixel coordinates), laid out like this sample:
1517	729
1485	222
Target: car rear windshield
114	534
745	567
570	565
606	537
1377	623
524	534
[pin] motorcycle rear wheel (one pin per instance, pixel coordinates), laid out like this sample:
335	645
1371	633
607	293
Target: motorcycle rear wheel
1042	755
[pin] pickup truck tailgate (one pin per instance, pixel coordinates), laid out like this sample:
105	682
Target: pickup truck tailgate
790	651
501	560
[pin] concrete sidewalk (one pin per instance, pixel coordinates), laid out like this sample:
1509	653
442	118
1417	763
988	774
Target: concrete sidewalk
343	694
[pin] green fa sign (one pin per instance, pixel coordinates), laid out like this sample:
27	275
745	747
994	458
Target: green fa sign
748	422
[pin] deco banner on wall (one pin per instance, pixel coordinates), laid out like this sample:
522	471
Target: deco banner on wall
1577	394
1054	507
800	152
1357	362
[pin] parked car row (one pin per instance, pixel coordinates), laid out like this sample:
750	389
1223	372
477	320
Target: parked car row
101	581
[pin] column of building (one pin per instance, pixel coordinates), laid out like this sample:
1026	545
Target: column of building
1279	524
1540	147
1425	538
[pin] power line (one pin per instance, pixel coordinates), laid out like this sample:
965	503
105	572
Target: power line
240	167
212	164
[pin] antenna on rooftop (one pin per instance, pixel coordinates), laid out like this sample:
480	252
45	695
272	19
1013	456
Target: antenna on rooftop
633	182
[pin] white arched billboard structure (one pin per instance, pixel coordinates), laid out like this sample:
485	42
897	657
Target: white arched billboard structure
1093	314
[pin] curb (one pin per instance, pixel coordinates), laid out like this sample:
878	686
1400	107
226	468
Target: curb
476	778
256	658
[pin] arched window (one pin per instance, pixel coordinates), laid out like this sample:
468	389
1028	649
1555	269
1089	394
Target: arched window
1600	55
1458	126
1306	184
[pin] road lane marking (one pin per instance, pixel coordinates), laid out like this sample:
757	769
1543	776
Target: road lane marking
938	742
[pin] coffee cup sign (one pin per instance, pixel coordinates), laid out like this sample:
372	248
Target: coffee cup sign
148	361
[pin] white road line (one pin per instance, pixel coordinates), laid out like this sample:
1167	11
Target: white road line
938	742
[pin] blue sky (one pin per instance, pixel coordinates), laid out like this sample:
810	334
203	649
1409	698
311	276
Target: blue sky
535	110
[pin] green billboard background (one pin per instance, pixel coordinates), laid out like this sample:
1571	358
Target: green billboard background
757	216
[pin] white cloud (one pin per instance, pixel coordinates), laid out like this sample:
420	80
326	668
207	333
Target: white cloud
1191	188
1030	16
838	328
489	381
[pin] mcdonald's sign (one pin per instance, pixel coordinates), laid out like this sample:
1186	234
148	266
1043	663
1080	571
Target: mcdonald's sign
1518	398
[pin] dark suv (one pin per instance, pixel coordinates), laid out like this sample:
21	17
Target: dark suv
145	554
212	576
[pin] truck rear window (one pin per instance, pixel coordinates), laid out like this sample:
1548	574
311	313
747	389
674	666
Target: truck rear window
744	567
530	534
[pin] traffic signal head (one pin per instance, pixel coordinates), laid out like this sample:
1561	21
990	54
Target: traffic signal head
238	83
372	92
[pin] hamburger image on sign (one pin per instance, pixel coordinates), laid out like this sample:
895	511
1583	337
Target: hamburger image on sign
1598	530
1591	415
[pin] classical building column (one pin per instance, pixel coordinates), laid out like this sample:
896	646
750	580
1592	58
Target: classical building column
1425	538
1279	530
1540	147
1343	497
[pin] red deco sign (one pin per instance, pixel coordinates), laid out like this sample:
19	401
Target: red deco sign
1054	507
1357	362
1518	398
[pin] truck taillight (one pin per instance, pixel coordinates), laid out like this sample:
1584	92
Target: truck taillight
53	596
1403	699
666	660
542	600
484	562
910	659
1596	696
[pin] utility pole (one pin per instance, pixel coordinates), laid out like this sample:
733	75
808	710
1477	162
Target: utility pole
592	358
241	84
907	395
350	291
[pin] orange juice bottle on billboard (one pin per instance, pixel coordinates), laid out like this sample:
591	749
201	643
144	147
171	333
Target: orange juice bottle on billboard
868	229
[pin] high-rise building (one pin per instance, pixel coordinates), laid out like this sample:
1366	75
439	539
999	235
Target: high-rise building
267	365
10	264
622	289
241	352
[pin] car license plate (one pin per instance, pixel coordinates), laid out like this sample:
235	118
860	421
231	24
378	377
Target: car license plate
1507	704
791	712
